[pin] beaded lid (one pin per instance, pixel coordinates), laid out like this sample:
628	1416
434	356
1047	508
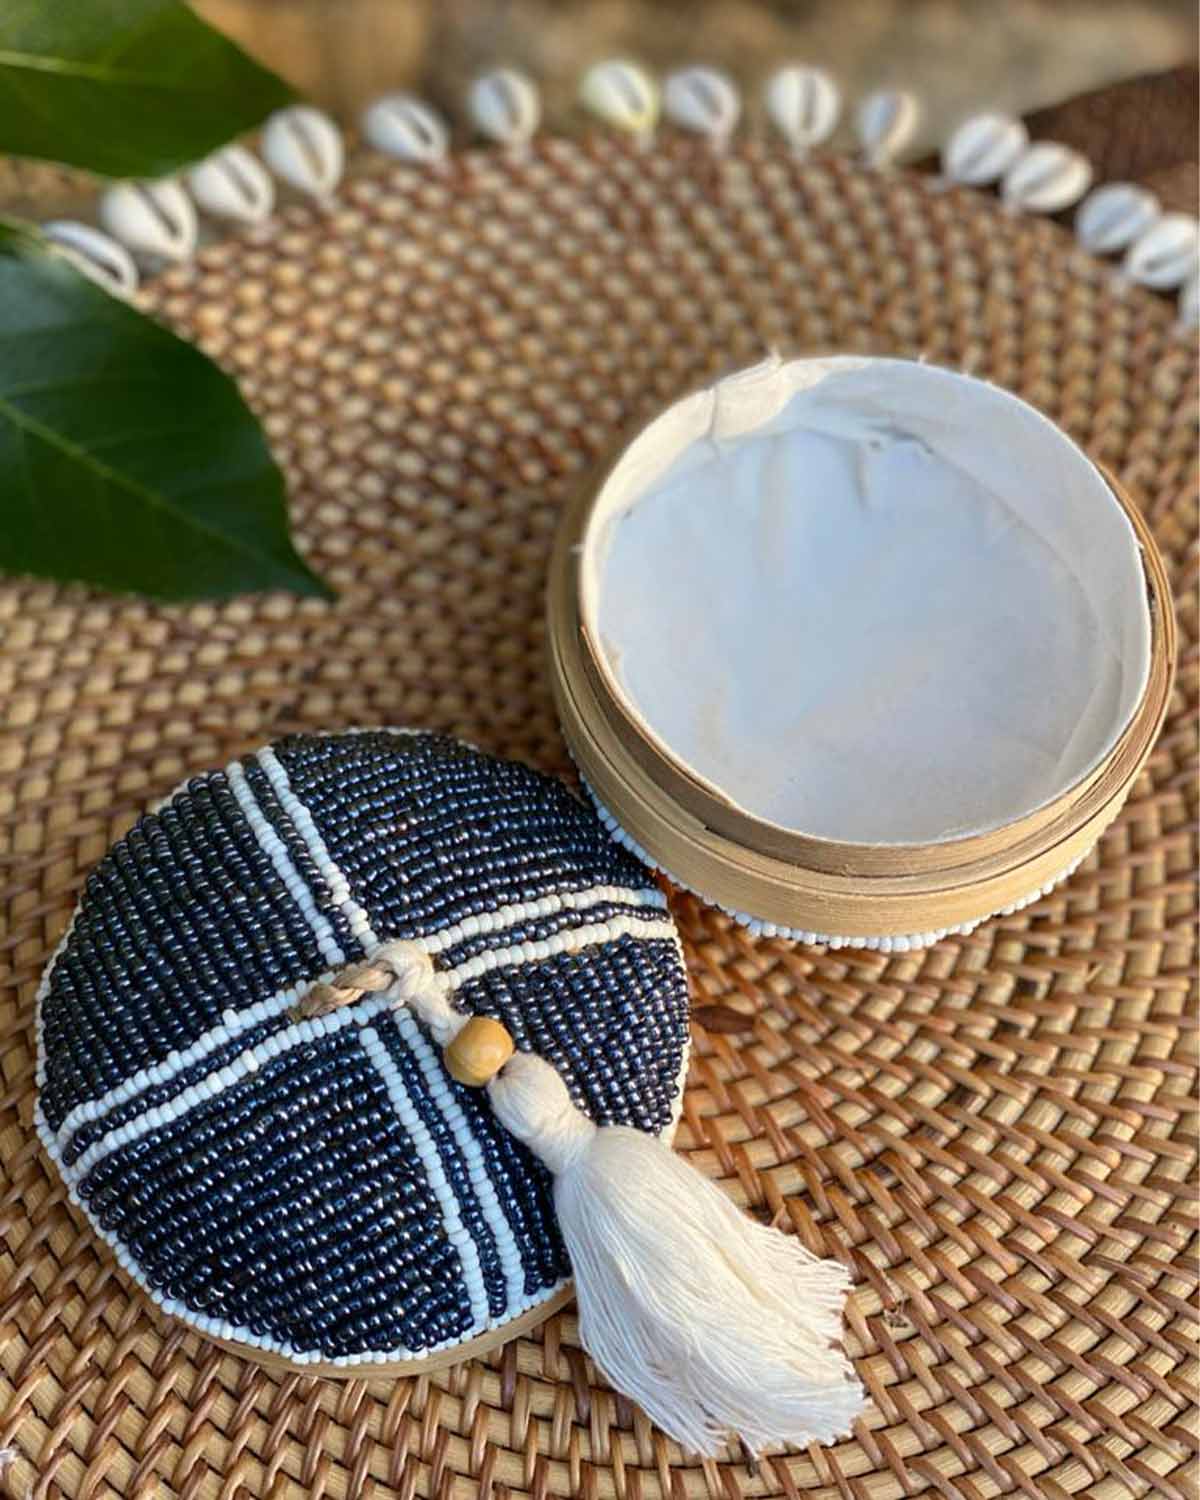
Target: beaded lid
321	1189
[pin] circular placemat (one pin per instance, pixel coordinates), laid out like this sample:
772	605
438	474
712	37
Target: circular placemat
995	1134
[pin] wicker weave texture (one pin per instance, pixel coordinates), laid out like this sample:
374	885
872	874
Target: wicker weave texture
998	1134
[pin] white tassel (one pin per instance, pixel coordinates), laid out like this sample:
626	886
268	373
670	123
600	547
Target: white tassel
712	1323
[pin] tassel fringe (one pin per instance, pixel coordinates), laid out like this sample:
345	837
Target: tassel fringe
712	1323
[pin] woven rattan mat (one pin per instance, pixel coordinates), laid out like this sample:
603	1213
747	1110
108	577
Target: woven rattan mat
996	1134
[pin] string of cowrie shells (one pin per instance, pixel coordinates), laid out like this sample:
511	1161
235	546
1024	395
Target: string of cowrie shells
157	221
991	1134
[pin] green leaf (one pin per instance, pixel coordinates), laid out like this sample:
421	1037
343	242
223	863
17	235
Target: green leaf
130	88
127	458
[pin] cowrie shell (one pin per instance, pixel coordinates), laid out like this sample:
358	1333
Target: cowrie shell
406	127
886	122
304	147
1189	303
96	254
622	95
233	184
505	106
803	104
1166	254
152	218
1111	218
983	148
1047	178
703	101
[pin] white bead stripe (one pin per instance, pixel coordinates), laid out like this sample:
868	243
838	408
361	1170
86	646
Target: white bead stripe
339	886
503	917
276	851
232	1022
235	1022
452	1112
431	1161
572	941
220	1079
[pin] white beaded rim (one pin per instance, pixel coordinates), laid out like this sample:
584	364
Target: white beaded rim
885	943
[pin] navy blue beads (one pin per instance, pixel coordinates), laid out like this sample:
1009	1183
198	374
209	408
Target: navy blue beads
323	1189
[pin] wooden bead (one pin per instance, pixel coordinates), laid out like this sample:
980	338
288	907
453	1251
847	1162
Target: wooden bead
478	1052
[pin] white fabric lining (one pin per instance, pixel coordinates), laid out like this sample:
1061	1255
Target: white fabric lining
869	600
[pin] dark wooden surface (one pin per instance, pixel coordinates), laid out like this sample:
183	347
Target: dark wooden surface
1143	130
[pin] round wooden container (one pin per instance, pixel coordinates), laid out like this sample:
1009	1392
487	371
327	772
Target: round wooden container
784	881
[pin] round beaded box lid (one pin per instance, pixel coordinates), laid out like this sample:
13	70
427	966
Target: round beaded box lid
322	1189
